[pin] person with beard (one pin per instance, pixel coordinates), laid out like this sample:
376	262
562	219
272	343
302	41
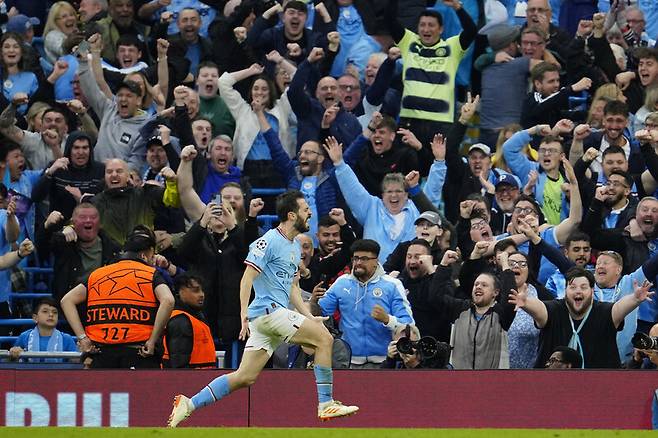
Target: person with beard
308	173
578	250
588	326
188	342
429	229
78	249
371	305
506	193
188	21
123	206
331	258
41	147
618	207
614	159
67	180
119	21
479	338
416	277
271	269
615	126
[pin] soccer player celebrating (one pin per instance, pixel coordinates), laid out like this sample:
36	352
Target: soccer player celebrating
272	266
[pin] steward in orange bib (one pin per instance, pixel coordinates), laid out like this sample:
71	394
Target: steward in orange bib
188	341
128	305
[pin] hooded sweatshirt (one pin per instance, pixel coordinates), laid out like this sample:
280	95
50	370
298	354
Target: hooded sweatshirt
117	137
88	178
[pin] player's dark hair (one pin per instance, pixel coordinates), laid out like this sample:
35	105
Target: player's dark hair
287	203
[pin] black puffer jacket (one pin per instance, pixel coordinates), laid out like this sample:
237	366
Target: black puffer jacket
220	266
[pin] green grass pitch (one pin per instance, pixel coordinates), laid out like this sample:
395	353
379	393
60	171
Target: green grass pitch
67	432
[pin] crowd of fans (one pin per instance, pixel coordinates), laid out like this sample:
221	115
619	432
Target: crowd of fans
481	184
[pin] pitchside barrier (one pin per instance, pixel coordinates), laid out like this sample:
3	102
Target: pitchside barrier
287	398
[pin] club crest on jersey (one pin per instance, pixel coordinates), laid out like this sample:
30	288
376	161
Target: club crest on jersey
377	292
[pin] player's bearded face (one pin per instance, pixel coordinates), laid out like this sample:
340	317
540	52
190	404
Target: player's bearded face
301	223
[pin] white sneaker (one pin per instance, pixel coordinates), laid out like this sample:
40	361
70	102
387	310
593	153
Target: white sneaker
182	409
335	409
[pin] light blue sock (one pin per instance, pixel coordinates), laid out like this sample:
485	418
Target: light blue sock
324	381
214	391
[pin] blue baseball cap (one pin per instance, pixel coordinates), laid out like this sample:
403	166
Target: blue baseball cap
506	178
21	23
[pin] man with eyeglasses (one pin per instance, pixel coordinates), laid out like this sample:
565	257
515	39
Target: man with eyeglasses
371	303
506	194
539	13
618	206
549	190
307	173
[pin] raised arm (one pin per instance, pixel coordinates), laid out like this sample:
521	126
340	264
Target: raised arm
95	48
518	162
282	162
570	224
189	199
469	29
628	303
12	258
533	306
8	126
356	196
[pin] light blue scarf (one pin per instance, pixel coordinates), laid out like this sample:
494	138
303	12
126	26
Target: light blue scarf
574	342
55	343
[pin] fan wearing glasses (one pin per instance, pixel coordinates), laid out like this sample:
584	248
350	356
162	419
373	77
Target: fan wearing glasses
371	304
